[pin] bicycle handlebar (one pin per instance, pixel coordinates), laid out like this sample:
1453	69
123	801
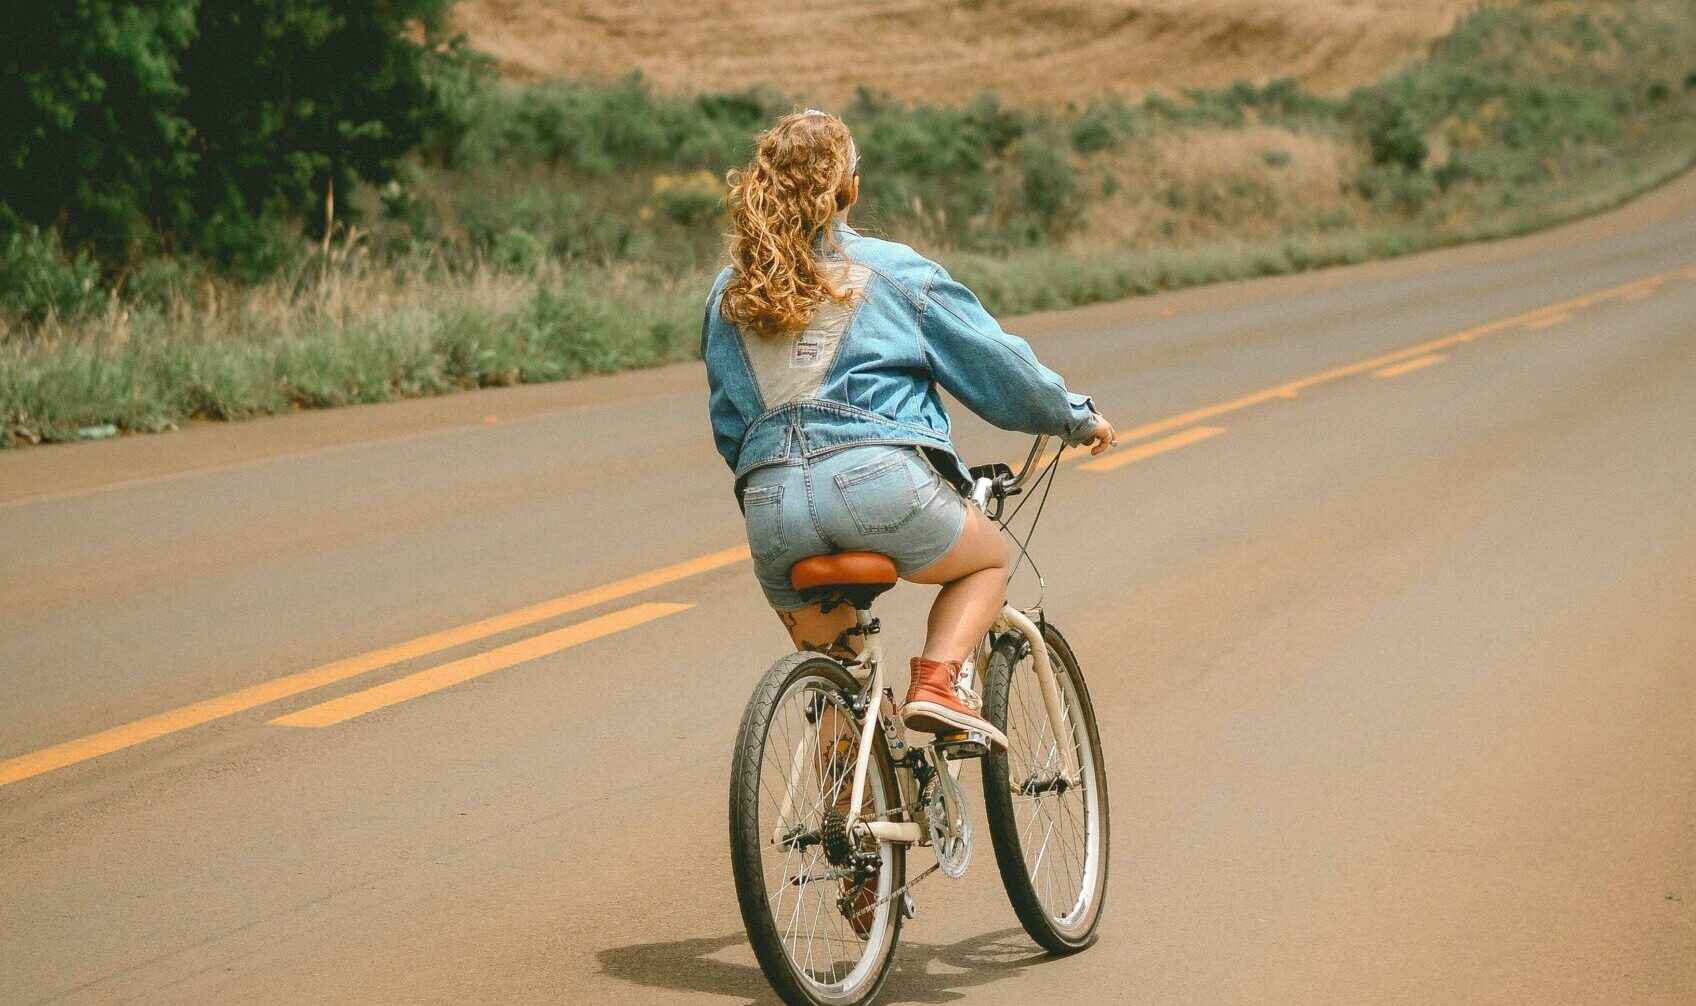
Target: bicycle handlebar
1038	449
998	482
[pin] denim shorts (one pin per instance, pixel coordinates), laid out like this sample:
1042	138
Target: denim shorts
872	498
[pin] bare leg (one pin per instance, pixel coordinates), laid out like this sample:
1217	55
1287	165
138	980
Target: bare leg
812	630
973	575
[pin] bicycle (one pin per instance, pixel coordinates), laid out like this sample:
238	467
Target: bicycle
819	843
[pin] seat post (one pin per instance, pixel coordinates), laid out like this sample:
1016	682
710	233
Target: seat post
871	658
871	653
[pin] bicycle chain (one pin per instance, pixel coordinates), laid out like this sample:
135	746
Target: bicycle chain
899	891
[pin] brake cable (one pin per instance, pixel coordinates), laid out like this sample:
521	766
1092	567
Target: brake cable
1043	482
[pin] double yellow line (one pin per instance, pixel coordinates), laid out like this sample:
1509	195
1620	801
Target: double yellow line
192	715
1393	364
1181	431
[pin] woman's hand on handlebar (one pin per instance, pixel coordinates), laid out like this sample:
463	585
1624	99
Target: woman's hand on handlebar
1103	437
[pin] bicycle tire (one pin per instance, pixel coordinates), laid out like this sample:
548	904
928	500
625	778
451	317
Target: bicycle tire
748	845
1011	778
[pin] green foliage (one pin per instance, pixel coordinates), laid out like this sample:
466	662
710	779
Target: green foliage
291	97
516	250
199	123
602	130
92	139
1393	138
1050	184
39	281
1394	188
1280	101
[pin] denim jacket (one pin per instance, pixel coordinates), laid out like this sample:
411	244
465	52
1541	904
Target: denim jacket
867	372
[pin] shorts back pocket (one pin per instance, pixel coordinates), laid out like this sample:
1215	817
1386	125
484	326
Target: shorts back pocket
762	509
881	495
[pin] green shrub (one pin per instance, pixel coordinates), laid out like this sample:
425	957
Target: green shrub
163	282
1049	182
689	200
1393	188
516	250
1392	136
249	247
1104	125
39	280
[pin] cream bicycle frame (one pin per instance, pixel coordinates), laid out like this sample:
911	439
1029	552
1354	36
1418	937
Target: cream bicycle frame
1011	619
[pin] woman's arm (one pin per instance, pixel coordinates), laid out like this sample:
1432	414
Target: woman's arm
995	374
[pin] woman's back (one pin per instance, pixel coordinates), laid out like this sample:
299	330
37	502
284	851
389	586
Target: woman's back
867	369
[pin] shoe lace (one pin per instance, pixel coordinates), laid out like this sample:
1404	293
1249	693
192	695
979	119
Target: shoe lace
967	695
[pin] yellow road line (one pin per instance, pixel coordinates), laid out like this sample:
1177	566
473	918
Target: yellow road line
454	672
1409	366
1550	321
117	738
1291	389
1193	435
152	727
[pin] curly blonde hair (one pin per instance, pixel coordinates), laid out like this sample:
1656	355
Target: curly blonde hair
779	205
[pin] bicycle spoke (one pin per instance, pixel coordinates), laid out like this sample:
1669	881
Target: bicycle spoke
806	770
1050	812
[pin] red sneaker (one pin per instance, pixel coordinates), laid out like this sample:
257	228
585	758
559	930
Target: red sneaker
937	704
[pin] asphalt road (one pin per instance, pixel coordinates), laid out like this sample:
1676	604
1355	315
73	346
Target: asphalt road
1389	613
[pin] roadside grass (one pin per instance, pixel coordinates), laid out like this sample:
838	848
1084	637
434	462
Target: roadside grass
1051	279
349	337
570	228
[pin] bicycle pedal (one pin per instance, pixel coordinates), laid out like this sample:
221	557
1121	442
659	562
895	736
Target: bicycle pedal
965	744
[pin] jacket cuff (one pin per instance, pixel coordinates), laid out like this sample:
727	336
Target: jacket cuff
1083	419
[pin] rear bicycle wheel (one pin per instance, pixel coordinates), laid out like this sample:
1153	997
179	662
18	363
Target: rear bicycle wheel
1050	833
819	908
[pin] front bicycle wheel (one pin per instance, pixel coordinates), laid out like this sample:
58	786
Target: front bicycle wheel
1050	832
821	909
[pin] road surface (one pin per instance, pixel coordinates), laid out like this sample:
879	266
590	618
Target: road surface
1388	605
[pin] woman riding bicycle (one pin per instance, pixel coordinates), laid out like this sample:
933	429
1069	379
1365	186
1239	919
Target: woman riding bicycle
824	352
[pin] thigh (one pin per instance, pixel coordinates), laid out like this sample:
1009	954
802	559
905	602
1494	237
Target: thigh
980	546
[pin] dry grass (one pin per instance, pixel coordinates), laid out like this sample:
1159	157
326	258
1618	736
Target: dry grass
1210	183
1031	52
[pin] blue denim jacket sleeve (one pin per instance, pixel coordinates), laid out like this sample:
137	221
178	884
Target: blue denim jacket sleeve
728	422
991	372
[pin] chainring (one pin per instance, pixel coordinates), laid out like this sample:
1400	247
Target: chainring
953	846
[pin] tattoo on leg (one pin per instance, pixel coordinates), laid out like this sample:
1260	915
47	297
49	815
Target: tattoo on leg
840	648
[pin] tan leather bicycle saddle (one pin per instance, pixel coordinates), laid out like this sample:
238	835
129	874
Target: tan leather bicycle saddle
852	577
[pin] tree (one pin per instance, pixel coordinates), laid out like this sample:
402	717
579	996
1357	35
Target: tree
91	137
193	121
290	96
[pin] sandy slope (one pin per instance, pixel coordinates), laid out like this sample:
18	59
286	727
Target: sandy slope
1033	51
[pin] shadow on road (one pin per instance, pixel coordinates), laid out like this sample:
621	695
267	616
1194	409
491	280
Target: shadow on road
689	966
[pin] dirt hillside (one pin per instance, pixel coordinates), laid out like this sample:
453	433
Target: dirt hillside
1042	52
